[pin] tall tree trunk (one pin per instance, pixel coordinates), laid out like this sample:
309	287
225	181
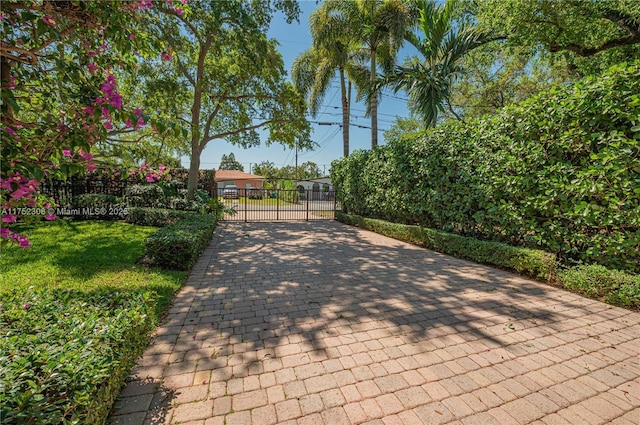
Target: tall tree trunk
374	102
345	114
196	148
194	174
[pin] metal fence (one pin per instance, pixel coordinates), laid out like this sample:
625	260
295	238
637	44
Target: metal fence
279	205
115	183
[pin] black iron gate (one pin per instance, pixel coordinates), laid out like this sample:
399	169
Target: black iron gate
278	205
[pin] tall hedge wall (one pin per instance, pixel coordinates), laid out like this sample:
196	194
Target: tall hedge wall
560	172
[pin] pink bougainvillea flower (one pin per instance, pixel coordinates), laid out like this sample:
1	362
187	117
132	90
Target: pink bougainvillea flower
10	130
5	233
140	123
5	184
88	110
49	217
179	11
184	1
137	112
66	152
132	172
86	156
105	112
8	218
128	122
49	21
132	36
20	193
116	101
12	82
92	67
24	243
107	125
91	168
150	178
27	306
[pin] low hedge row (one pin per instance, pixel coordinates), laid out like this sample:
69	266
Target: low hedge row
180	242
64	353
156	217
612	286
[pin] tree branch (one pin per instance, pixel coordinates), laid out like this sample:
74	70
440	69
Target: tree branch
241	130
185	71
26	56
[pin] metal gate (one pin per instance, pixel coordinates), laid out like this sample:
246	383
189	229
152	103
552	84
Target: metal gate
279	205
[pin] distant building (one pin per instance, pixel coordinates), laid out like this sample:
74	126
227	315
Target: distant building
239	179
317	189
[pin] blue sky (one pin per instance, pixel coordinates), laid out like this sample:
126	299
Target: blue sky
294	38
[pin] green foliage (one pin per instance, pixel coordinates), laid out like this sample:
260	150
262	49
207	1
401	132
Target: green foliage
531	262
442	45
145	195
229	162
611	286
75	311
101	206
178	246
559	172
65	354
157	217
588	36
166	195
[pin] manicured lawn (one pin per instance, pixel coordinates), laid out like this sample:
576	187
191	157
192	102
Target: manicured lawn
85	256
75	312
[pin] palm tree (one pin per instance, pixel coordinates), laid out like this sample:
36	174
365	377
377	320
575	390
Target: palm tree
379	26
312	70
443	45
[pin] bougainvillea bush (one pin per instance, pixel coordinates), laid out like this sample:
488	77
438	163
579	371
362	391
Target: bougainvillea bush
59	91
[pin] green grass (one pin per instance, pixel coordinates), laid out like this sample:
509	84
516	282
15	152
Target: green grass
75	312
85	256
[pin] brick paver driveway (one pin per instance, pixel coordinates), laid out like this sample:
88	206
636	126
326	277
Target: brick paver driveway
320	323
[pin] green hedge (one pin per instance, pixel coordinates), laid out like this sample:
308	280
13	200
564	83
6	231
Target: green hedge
559	172
64	354
611	286
531	262
156	217
178	246
100	206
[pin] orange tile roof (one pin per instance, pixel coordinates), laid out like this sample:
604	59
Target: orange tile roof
223	175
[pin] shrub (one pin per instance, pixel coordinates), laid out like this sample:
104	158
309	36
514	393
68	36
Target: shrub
531	262
611	286
64	354
145	195
557	172
178	246
156	217
100	206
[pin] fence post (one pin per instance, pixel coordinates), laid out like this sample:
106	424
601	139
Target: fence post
277	204
307	205
245	205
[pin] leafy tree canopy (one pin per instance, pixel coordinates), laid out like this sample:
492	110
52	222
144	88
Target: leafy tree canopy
229	78
229	162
